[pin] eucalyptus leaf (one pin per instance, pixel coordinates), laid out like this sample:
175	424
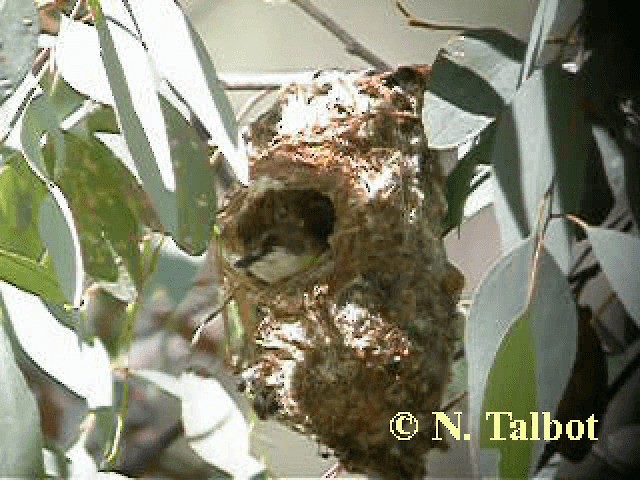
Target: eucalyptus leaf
29	275
40	118
133	83
195	196
81	367
513	365
174	272
619	256
542	22
527	337
473	78
77	56
19	27
64	99
542	138
215	428
105	201
58	233
459	182
20	435
612	158
182	60
21	249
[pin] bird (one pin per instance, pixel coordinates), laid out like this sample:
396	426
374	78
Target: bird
280	252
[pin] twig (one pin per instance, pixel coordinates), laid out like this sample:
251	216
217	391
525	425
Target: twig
416	22
351	44
603	308
333	471
613	224
263	81
451	403
211	316
242	114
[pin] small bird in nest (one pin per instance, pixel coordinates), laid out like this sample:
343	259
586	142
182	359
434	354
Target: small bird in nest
286	233
287	247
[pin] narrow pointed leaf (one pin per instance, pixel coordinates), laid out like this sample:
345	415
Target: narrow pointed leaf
619	256
215	427
21	249
20	435
541	137
40	118
473	78
183	61
58	232
78	60
19	28
82	368
529	341
133	85
542	22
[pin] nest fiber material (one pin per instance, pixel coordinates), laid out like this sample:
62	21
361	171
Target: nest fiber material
352	319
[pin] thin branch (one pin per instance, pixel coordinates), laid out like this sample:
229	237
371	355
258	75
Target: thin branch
452	403
263	81
333	471
416	22
210	317
243	113
351	44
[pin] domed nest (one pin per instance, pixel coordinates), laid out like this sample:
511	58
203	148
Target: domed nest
335	257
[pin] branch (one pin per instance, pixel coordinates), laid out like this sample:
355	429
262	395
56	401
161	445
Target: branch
416	22
263	81
351	44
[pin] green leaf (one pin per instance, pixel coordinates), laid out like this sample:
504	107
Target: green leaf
83	368
181	187
30	276
39	118
542	136
174	271
190	71
506	321
64	99
19	27
215	428
619	256
473	78
79	62
513	365
195	196
542	22
20	436
58	233
21	250
106	203
133	86
459	182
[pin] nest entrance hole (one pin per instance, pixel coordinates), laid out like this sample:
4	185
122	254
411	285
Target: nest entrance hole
289	214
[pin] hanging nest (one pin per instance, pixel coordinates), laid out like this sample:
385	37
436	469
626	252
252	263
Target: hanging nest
335	258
